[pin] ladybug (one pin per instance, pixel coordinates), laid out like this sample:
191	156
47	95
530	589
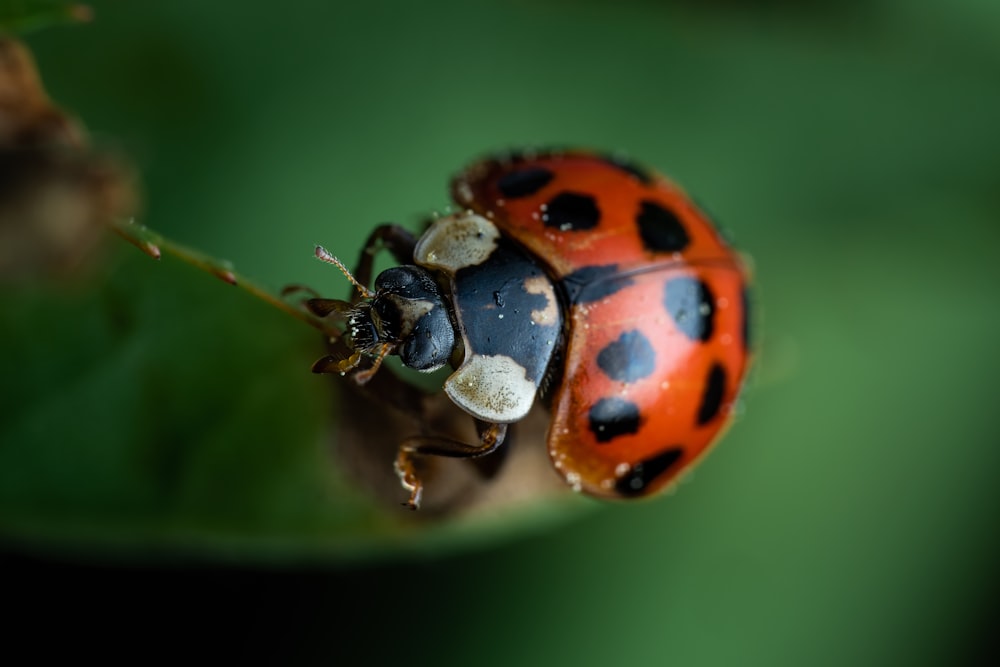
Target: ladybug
571	276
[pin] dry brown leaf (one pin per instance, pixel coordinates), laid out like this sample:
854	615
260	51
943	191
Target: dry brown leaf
57	195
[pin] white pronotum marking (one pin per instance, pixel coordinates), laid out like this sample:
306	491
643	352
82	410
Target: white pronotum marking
456	241
541	286
492	388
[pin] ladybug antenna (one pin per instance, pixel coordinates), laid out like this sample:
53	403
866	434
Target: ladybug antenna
324	255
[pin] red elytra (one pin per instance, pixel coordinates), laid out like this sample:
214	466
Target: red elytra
655	346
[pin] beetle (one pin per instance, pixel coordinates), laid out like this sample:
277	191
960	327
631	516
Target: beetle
581	278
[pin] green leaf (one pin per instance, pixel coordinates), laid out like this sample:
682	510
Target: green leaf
163	410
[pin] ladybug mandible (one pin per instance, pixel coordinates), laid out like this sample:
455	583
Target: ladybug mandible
572	271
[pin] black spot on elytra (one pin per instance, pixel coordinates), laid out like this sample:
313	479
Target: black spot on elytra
629	358
691	304
593	283
570	211
641	475
524	182
630	168
711	399
660	228
612	417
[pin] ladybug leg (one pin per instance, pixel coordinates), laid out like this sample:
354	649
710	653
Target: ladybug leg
316	304
343	358
488	467
310	300
491	436
398	240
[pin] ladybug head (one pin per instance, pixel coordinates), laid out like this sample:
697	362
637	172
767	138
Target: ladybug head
408	312
406	315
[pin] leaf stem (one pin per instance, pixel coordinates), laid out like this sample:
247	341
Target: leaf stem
155	245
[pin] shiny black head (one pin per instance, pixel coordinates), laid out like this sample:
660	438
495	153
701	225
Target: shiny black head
409	312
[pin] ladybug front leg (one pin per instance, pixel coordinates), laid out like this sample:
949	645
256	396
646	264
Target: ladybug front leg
398	240
491	436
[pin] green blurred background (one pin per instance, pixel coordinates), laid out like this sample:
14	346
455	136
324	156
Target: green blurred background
850	516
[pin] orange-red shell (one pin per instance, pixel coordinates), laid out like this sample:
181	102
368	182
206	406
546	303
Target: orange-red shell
655	347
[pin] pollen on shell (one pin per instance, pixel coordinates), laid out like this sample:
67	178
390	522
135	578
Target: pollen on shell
573	479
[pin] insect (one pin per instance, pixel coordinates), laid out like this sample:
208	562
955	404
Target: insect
581	279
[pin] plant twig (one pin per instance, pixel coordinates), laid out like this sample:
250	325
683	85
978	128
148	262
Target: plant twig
155	245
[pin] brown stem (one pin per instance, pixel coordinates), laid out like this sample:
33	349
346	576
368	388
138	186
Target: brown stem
156	245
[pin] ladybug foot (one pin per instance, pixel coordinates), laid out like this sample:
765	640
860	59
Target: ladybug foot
491	436
408	479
